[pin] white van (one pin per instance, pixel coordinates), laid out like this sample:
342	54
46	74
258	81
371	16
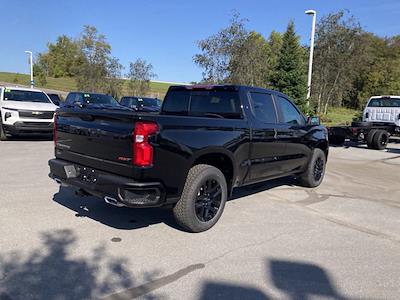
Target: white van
383	109
25	111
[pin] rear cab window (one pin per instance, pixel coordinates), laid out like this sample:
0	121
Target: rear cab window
209	102
384	102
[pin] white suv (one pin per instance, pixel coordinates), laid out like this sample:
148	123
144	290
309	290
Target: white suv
25	111
383	109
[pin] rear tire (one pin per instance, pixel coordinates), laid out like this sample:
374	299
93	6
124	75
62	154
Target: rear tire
315	171
381	139
370	138
203	199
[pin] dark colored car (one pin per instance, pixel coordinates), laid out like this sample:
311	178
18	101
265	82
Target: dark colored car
55	98
85	99
206	141
141	104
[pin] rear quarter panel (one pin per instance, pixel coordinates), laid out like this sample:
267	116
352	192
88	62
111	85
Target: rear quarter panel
182	140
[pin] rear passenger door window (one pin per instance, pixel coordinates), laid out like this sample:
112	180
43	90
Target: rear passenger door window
289	113
263	107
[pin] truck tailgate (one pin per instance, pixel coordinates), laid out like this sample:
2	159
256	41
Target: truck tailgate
97	138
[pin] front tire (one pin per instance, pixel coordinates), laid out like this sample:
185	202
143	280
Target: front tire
203	199
3	136
370	138
315	171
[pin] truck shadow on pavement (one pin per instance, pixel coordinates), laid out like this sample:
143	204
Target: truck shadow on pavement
127	218
262	186
29	138
117	217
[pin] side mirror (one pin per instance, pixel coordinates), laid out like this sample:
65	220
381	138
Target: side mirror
314	120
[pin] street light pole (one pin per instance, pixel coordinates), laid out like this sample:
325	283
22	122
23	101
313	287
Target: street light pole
310	62
31	63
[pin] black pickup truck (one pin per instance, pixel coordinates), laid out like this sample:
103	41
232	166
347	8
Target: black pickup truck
206	141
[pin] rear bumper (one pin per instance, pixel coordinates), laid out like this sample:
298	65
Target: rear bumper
114	189
29	128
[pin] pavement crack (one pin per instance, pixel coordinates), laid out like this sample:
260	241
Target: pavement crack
148	287
143	289
226	253
357	227
362	229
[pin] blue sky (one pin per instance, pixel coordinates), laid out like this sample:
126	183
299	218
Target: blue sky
165	32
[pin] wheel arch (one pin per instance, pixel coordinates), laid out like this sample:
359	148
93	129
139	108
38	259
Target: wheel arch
324	146
222	160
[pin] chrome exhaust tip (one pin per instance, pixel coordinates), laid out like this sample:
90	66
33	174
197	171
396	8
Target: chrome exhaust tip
112	201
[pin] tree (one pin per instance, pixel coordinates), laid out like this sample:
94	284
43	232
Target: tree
61	58
275	45
113	81
140	74
96	70
290	73
235	55
378	71
338	54
88	59
248	64
218	50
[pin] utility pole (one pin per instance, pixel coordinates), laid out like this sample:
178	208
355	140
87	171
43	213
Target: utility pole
310	62
31	64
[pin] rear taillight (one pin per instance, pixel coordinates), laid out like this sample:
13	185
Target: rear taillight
55	129
142	149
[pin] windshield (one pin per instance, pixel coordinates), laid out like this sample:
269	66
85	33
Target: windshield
384	102
88	98
134	101
99	99
148	102
129	101
25	96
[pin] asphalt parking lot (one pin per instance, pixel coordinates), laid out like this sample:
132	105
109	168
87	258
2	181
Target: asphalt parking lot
274	241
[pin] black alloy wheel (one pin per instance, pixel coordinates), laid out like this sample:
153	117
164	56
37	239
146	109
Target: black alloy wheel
318	168
208	200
